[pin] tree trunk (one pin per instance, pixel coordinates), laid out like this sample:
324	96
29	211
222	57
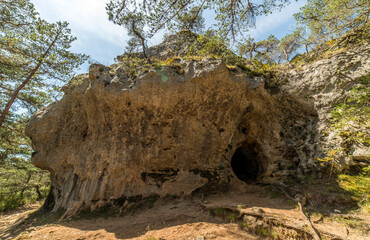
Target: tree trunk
286	56
39	195
26	185
142	39
24	83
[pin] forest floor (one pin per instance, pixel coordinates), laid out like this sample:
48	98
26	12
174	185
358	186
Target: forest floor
199	218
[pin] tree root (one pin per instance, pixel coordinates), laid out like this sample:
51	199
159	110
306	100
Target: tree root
275	221
302	200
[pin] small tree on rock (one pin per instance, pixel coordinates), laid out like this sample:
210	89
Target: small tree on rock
290	43
189	20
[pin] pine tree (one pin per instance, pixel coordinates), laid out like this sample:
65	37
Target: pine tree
327	20
34	57
34	61
233	17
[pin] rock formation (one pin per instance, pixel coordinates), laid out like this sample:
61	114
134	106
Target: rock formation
167	132
326	83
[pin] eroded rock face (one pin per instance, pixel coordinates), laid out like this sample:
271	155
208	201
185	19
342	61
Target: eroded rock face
171	133
324	84
165	134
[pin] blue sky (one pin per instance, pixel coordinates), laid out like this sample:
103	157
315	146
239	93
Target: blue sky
103	40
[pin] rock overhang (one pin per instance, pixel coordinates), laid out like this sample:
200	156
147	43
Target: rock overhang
164	133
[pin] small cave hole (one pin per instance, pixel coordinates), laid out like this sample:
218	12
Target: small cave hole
245	163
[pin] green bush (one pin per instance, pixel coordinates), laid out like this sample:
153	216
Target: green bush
358	186
22	184
211	45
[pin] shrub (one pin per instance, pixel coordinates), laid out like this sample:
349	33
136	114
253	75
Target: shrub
22	184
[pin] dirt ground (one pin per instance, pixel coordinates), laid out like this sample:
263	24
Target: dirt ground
167	219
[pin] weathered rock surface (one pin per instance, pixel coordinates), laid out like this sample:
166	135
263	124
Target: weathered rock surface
110	138
326	83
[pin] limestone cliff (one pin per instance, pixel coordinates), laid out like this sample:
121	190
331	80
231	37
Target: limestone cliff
327	83
170	132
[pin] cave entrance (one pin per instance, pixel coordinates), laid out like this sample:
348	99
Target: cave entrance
245	164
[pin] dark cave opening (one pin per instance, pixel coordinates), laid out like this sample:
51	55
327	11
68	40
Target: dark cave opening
245	164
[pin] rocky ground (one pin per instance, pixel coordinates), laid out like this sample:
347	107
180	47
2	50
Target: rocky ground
197	217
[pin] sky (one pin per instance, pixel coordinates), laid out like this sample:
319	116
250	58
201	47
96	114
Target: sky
103	40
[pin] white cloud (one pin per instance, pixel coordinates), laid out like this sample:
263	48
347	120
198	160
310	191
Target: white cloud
87	15
89	23
103	40
276	22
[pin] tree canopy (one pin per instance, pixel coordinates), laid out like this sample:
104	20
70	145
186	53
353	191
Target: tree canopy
190	19
318	21
329	19
33	52
34	62
233	17
318	24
